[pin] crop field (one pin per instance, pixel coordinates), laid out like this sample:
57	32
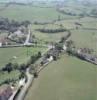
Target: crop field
69	78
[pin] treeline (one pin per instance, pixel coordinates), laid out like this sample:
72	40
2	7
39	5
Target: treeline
42	23
63	39
67	13
51	30
92	13
12	25
9	67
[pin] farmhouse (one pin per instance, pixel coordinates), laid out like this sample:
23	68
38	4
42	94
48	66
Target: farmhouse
5	92
3	41
18	33
0	44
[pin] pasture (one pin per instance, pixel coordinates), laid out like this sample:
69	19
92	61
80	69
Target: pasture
69	78
22	54
49	37
19	13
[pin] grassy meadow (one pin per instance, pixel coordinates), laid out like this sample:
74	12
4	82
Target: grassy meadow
22	54
19	13
67	79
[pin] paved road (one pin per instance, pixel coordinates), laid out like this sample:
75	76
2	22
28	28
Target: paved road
26	86
28	37
30	79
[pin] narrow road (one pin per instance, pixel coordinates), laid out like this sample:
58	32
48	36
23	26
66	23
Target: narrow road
30	79
24	90
28	37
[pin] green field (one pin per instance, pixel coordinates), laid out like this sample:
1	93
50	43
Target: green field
29	13
32	13
50	37
22	54
85	36
67	79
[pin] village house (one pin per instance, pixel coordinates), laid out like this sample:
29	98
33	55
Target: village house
3	41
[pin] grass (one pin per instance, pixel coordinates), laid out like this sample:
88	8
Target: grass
29	13
5	76
55	37
22	54
85	38
67	79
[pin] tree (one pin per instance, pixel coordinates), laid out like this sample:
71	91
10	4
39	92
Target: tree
26	23
8	67
22	75
70	43
94	12
33	59
59	46
34	70
62	39
16	66
39	54
22	67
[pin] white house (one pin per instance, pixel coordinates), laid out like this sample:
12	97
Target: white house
0	44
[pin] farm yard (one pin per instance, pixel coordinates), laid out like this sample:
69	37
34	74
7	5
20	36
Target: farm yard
67	78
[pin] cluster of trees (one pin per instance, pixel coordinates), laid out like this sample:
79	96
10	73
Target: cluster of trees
34	58
22	67
94	12
18	39
57	50
9	67
41	23
63	39
52	30
71	50
11	25
8	81
70	47
67	13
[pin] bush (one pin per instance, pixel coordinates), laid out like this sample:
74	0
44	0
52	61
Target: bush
8	67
